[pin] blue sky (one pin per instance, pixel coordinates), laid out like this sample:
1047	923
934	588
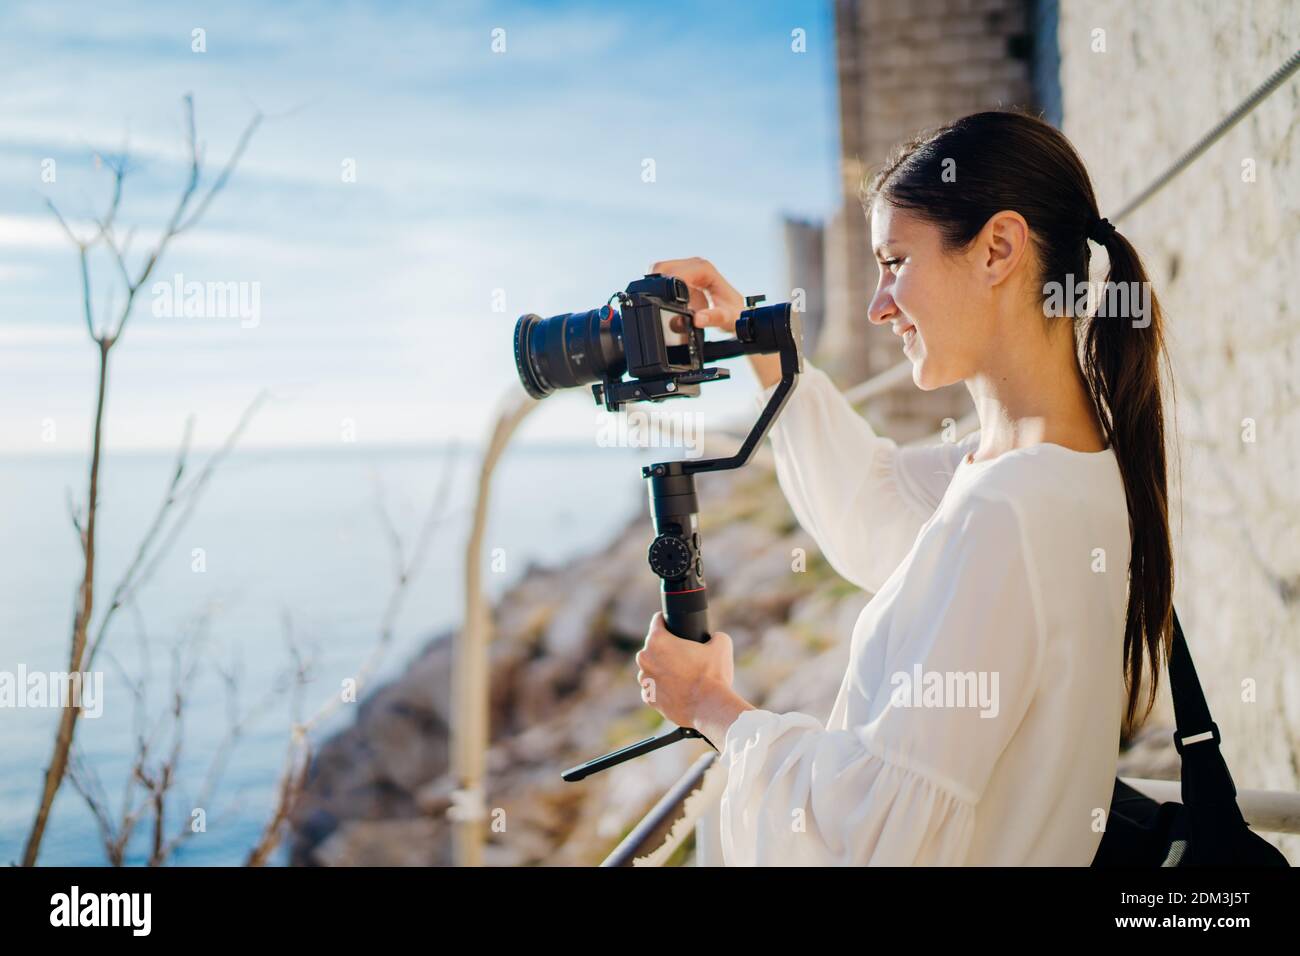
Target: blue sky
475	171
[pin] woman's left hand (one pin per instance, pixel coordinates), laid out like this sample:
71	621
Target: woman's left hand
678	677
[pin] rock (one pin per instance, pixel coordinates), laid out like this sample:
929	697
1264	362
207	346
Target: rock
426	683
408	745
538	743
630	614
413	842
579	618
317	825
760	573
434	798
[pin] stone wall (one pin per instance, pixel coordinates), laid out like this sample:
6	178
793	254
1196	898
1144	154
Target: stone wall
903	67
1221	244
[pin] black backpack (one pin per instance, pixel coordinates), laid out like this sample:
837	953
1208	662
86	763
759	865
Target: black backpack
1207	828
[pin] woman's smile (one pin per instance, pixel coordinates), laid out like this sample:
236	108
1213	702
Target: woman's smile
908	332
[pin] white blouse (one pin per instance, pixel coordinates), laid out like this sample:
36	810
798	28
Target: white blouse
978	721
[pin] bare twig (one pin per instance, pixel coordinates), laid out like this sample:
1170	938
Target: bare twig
238	725
150	553
182	219
159	775
75	514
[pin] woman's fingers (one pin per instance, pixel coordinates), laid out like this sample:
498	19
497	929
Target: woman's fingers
715	303
695	272
697	279
710	317
703	319
706	284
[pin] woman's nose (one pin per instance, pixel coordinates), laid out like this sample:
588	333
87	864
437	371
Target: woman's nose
881	308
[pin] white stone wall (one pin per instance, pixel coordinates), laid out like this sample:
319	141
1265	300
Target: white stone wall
1224	254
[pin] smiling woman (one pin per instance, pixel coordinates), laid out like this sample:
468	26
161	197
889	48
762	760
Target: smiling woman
982	220
1031	558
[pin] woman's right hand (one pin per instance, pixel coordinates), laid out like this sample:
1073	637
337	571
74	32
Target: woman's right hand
713	299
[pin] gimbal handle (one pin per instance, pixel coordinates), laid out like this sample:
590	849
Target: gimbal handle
675	553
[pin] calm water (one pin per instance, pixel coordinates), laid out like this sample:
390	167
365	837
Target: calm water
284	535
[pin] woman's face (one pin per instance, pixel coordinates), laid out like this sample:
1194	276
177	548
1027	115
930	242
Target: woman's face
931	298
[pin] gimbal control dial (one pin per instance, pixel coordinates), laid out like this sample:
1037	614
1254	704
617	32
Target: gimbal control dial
670	557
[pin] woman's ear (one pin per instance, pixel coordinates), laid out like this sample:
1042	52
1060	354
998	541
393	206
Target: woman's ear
1003	243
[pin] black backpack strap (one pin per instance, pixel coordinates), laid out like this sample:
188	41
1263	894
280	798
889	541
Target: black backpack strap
1205	774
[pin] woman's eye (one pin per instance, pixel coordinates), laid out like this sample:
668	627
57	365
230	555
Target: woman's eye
890	263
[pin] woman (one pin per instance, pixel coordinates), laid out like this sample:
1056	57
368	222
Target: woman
1021	576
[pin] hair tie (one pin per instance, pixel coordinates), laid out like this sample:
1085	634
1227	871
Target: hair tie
1100	231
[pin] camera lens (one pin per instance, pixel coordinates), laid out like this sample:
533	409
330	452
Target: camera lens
568	350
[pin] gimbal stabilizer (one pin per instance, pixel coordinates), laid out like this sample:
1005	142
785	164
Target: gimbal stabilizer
675	553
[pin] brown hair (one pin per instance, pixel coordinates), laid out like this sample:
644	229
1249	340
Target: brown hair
960	175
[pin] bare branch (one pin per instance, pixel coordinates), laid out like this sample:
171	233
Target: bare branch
124	586
86	782
149	554
393	536
82	247
220	182
192	492
115	835
180	221
118	168
75	514
292	783
67	230
119	257
238	726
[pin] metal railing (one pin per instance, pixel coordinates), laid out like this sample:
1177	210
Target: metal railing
652	829
1270	811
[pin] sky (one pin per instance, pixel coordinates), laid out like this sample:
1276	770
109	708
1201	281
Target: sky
426	173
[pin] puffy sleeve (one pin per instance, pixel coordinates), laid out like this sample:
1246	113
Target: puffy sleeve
901	783
861	496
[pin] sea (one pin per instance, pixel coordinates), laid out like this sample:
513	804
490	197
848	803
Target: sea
288	560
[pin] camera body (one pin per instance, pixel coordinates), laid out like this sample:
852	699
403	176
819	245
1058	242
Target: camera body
649	306
601	345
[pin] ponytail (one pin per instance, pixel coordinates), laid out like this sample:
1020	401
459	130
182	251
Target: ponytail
1122	348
